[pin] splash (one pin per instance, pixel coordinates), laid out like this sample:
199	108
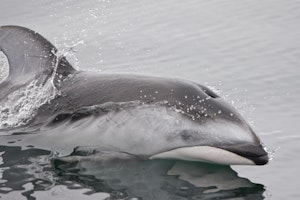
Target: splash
3	66
272	153
20	106
69	50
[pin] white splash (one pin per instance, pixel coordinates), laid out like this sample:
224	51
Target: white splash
21	105
3	66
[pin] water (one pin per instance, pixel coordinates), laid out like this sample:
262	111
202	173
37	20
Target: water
247	50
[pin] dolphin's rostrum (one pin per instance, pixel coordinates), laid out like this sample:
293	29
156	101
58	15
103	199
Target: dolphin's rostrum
222	135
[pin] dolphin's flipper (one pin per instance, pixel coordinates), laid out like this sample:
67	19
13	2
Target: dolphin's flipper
29	55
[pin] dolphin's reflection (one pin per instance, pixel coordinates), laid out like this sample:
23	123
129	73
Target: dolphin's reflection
32	172
158	179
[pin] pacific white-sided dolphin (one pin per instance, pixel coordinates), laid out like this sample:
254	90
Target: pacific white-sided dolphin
222	136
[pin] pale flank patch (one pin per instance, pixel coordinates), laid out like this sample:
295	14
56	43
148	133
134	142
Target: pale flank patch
205	154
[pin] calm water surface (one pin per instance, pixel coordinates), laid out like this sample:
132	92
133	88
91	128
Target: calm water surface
249	51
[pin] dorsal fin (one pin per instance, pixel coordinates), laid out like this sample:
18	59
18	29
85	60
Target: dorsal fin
29	54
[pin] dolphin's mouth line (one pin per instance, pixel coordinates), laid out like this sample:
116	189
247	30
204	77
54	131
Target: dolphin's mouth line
211	155
204	154
255	153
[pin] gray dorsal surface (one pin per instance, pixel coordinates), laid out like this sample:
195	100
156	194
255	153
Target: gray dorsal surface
28	53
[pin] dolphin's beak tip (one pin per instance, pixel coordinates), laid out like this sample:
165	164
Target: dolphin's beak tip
257	153
262	160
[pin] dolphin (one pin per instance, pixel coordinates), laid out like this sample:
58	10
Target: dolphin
219	134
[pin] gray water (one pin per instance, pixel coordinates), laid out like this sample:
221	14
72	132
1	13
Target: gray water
249	51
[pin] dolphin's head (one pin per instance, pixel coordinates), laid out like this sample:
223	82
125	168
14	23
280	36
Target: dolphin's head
222	137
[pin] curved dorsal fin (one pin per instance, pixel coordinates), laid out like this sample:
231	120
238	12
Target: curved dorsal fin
29	54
